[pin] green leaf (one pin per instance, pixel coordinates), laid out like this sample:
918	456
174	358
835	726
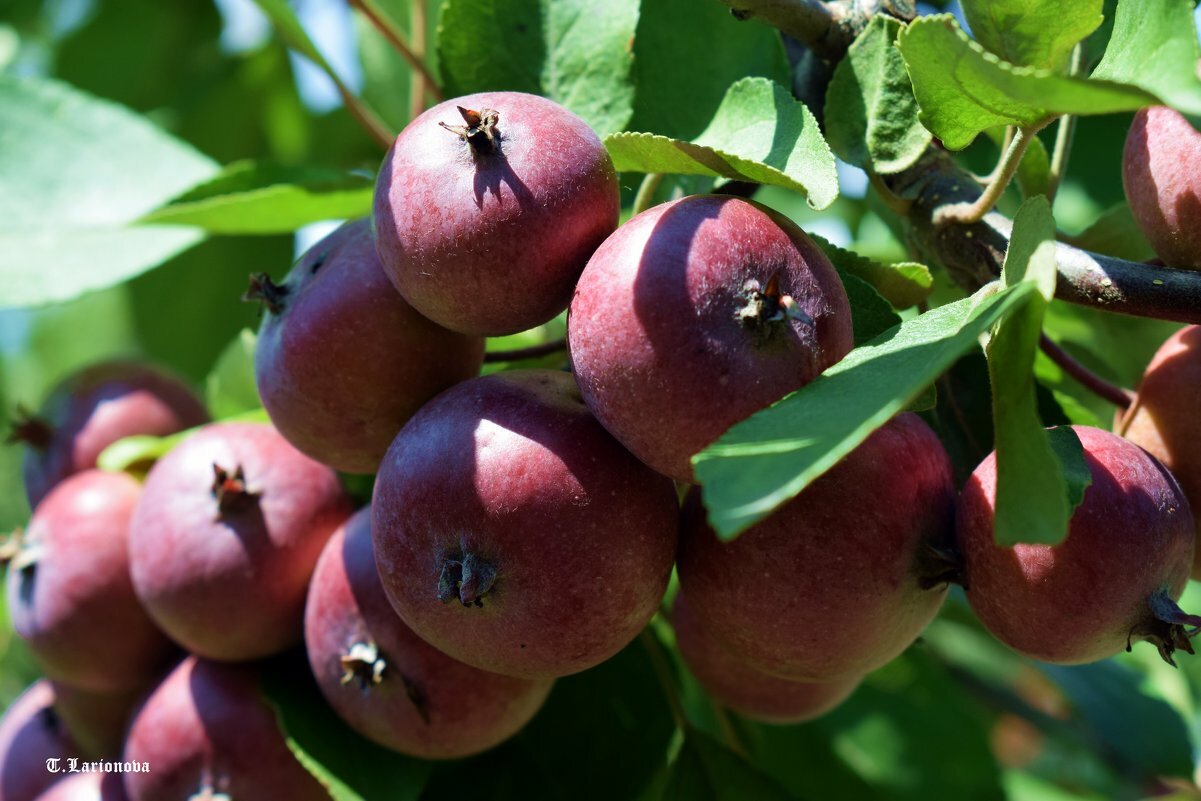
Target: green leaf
705	770
351	767
260	198
903	285
686	55
230	388
871	113
575	52
291	31
1032	33
759	133
871	314
137	454
75	172
767	459
1034	501
1069	452
1115	233
963	90
1154	46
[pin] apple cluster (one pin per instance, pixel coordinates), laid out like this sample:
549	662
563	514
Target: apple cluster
525	524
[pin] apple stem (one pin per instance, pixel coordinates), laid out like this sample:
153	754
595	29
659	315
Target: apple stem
1168	629
265	291
479	132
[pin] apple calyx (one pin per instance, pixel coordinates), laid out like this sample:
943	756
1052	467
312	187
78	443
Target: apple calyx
266	292
363	663
766	307
939	565
230	491
1169	628
466	577
31	430
479	132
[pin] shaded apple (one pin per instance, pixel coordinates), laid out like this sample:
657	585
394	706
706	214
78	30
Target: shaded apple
1161	173
30	734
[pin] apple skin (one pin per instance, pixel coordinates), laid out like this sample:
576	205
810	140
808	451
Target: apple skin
493	244
1164	420
97	406
1081	600
749	692
511	470
87	786
347	361
425	704
73	603
30	733
207	724
830	585
656	342
230	584
1161	173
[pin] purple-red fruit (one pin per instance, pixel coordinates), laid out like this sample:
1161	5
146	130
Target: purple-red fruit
87	786
207	728
842	578
1161	172
94	408
226	536
749	692
696	314
485	226
69	589
342	360
1112	581
514	534
30	734
1165	421
385	681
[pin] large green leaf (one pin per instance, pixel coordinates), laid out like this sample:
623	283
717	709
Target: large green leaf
767	459
871	113
75	172
871	314
963	89
575	52
1154	46
230	387
1034	500
759	133
261	198
1032	33
686	54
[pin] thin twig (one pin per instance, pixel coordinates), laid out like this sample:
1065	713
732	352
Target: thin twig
386	26
1011	159
367	119
646	192
532	352
895	203
817	24
417	78
1006	140
1119	397
663	672
1063	139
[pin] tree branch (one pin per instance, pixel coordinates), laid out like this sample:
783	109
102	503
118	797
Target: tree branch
1119	397
825	28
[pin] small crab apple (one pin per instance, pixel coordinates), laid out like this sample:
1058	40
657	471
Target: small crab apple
69	589
342	360
385	681
1112	581
485	227
1161	172
749	692
207	733
89	785
696	314
225	538
30	734
514	534
94	408
843	577
1164	418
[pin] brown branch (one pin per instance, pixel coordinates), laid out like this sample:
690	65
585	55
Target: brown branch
532	352
825	28
419	83
396	38
1122	398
